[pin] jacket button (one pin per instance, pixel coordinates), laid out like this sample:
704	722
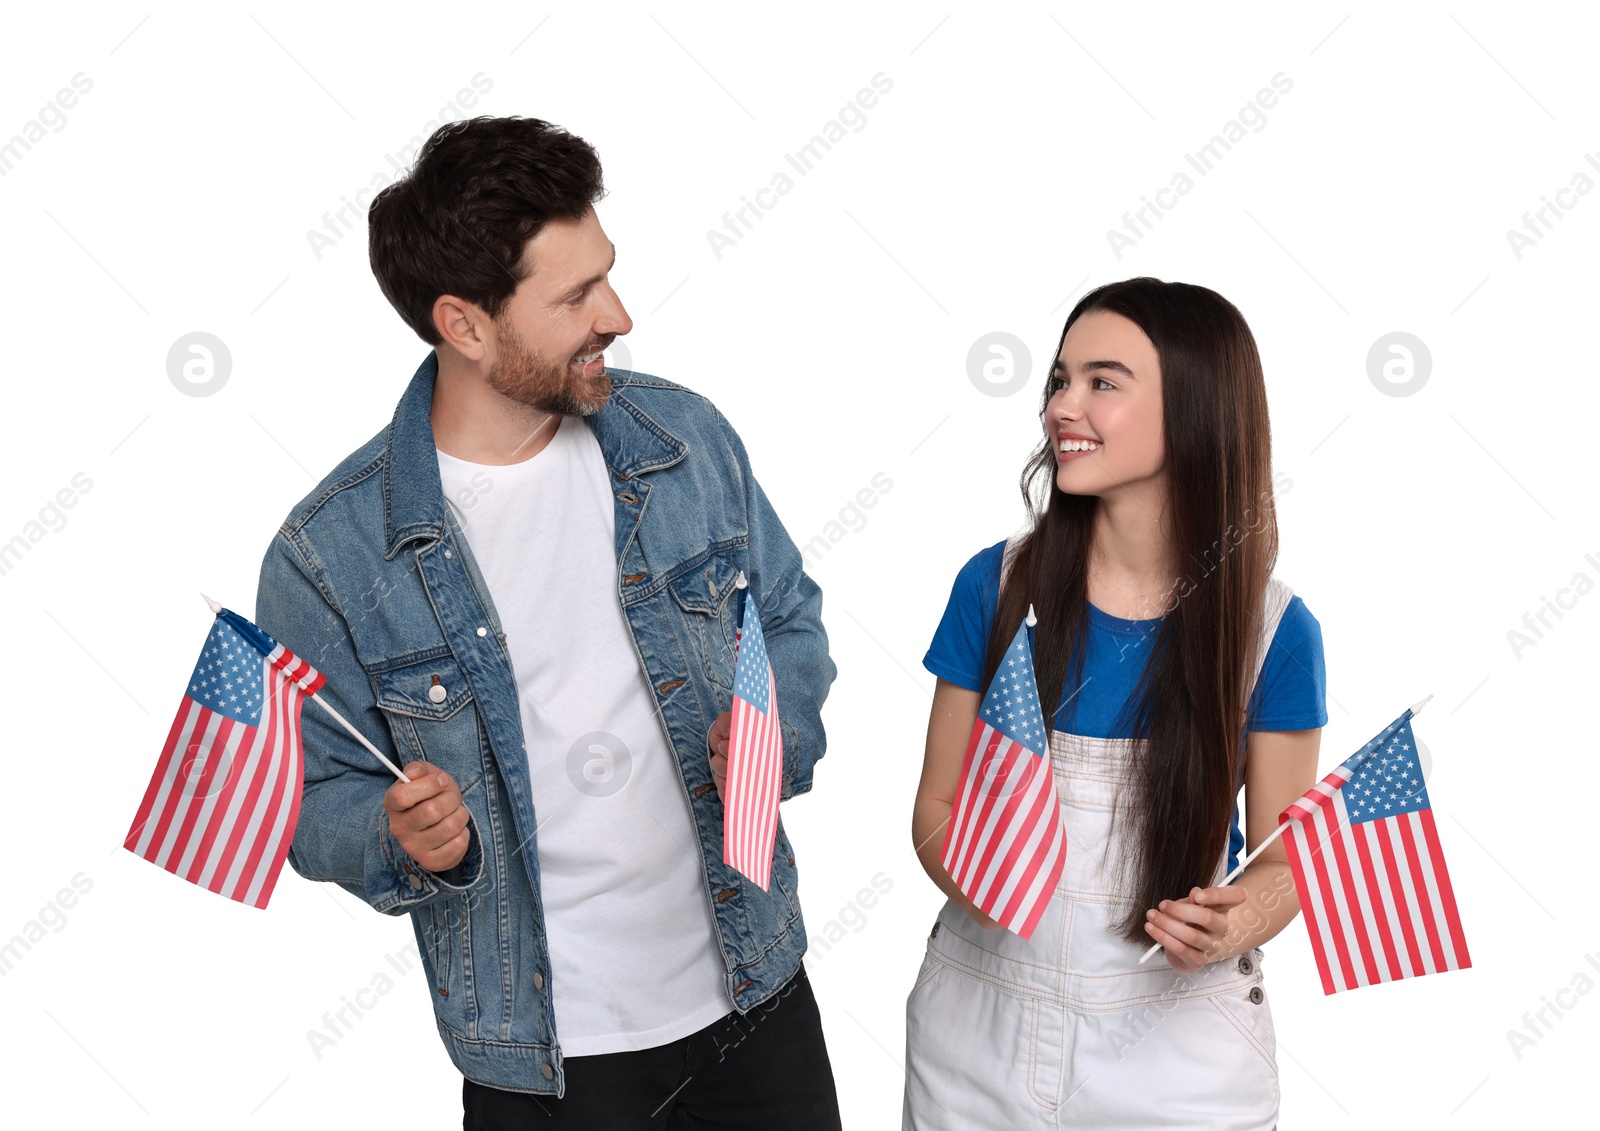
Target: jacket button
538	980
935	932
437	693
1256	995
482	631
415	881
1245	965
547	1072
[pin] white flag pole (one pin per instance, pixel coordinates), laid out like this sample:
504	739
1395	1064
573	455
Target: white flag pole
216	607
358	736
1256	851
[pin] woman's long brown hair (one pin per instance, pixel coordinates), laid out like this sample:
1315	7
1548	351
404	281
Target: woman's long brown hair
1191	702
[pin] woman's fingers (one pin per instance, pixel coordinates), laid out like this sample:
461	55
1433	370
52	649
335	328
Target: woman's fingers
1229	896
1184	932
1206	918
1179	955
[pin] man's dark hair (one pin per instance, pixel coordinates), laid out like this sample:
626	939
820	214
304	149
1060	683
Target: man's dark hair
457	223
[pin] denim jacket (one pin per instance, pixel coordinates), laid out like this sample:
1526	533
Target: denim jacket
371	581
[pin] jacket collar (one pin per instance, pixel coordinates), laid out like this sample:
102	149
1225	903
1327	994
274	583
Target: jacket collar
413	496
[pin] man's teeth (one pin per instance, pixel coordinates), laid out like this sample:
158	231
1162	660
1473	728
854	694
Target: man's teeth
588	357
1080	446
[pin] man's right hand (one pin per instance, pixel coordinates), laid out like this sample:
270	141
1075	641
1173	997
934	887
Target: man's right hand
428	818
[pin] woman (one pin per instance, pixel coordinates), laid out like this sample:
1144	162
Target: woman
1182	670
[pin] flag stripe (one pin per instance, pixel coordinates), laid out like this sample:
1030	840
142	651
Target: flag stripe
265	860
220	756
139	835
262	753
960	832
1396	887
1310	902
154	829
232	829
973	805
1338	919
1379	912
1046	878
1419	884
1368	972
1003	824
987	818
268	803
1447	895
1009	898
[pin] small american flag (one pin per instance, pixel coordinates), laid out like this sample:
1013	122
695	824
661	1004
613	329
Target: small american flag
222	806
1370	872
755	757
1006	842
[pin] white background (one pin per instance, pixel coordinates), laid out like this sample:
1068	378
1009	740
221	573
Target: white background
1419	529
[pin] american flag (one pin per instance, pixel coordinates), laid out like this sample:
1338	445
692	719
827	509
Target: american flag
1006	842
755	757
221	808
1369	870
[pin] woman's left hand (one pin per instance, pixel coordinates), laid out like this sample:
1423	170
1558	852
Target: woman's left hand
1194	931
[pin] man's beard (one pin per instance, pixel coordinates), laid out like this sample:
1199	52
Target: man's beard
529	378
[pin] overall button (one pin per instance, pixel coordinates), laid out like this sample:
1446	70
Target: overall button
933	934
482	631
1245	965
538	980
1256	995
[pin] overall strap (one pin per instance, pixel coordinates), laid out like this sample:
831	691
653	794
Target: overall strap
1273	604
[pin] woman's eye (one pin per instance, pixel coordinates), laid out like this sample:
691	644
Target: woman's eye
1108	384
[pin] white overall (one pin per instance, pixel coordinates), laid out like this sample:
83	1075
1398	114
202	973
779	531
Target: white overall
1066	1029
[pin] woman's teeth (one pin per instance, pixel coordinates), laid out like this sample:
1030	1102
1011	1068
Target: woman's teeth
1080	446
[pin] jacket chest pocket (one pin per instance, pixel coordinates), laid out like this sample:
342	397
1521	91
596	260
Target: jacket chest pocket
424	698
704	589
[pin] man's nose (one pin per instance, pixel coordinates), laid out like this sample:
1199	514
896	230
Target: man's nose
613	318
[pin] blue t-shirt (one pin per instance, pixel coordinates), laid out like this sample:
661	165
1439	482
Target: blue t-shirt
1289	694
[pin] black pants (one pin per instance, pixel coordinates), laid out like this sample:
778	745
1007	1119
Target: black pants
767	1070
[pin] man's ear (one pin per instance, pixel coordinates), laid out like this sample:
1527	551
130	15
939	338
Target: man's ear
464	325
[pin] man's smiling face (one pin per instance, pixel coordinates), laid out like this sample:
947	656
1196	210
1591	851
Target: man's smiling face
550	335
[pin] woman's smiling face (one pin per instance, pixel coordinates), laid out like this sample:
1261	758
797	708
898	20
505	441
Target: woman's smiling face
1105	408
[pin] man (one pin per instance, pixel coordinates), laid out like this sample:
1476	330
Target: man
524	588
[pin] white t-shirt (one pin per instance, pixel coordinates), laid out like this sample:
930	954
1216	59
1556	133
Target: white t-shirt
633	950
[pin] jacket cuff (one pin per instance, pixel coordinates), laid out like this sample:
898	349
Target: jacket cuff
400	884
792	783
